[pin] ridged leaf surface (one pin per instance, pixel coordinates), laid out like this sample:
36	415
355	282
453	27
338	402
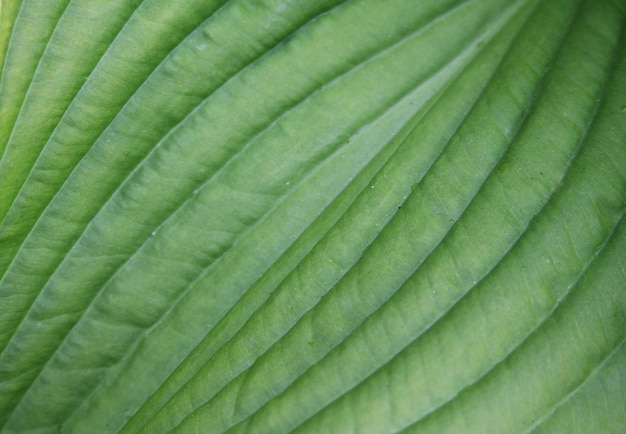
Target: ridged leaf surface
318	216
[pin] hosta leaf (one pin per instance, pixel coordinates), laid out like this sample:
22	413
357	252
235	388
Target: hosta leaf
314	216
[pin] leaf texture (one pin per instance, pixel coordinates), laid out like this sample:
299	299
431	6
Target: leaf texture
315	216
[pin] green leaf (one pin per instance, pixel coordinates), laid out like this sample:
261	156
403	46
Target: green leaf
315	216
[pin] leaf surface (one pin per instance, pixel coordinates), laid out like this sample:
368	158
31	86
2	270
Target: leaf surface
318	216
